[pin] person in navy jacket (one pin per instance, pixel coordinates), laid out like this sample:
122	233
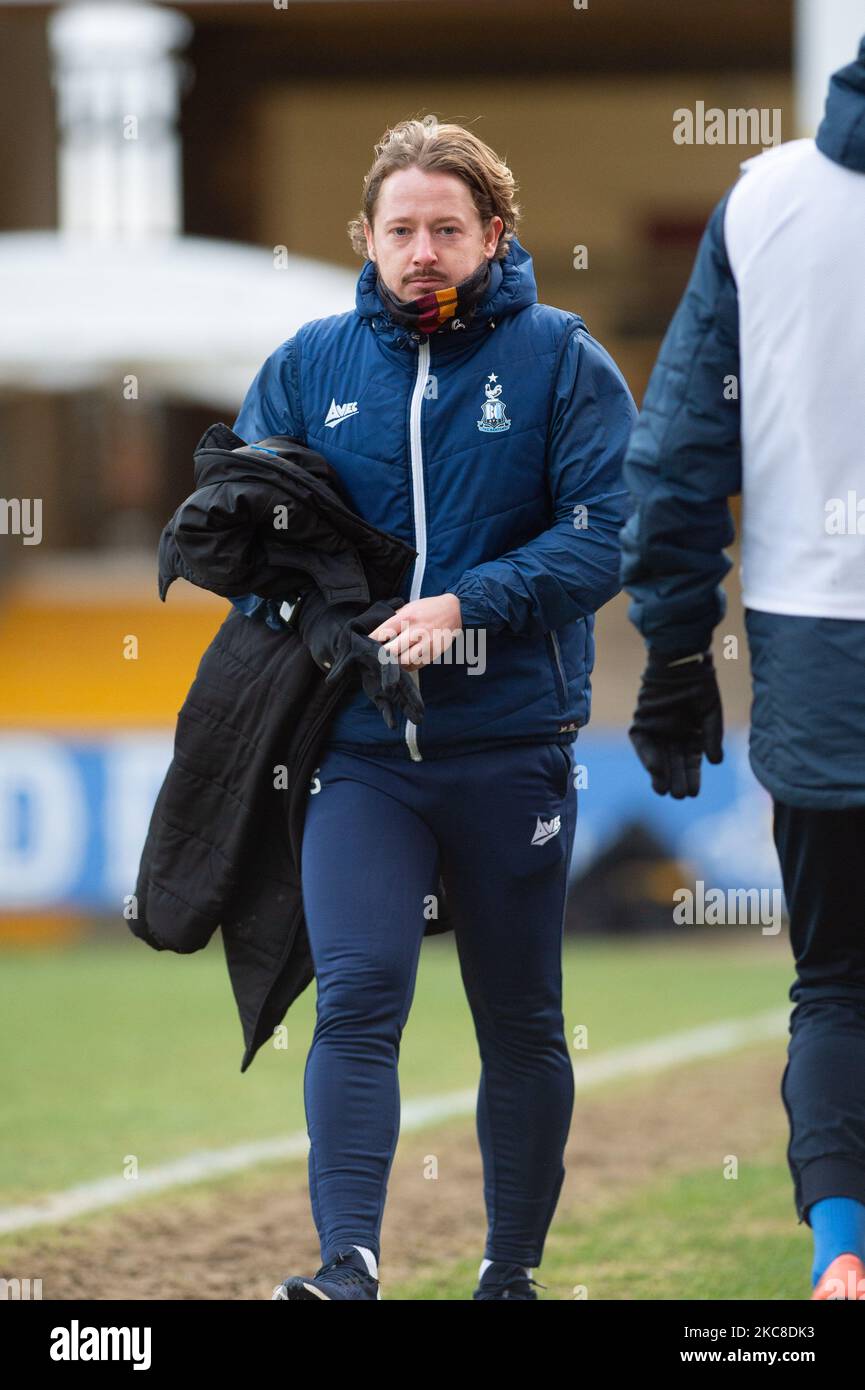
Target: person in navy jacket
758	389
488	431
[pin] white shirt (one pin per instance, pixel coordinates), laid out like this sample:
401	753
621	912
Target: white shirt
795	234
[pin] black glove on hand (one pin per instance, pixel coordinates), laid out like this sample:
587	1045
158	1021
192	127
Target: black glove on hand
388	685
336	635
678	719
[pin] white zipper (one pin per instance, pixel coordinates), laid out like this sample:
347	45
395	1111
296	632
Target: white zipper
423	354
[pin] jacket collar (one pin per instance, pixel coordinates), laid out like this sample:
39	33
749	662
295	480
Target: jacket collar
841	133
512	287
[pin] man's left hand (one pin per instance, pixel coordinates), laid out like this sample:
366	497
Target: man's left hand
678	720
421	630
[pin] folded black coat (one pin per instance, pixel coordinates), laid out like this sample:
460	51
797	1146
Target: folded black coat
223	845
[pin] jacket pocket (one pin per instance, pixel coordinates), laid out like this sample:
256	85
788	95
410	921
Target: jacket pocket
558	670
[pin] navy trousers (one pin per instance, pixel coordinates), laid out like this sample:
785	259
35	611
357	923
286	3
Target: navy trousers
822	856
498	824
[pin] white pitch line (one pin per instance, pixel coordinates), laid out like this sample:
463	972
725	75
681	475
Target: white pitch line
711	1040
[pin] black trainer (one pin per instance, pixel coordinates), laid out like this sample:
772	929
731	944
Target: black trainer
503	1280
346	1276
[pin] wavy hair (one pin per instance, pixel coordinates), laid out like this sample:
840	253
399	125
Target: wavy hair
446	149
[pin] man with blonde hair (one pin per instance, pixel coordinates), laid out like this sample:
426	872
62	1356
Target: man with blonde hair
488	430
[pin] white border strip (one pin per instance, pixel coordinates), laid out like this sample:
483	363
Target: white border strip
712	1040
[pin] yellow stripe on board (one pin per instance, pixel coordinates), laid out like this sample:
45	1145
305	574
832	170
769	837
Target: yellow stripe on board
42	930
65	665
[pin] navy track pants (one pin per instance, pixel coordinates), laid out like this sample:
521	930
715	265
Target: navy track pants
822	856
378	832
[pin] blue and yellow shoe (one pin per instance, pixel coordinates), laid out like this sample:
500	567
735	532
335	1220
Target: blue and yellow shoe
503	1280
346	1276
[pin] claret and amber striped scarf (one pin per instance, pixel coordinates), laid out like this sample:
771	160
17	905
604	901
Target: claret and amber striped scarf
448	307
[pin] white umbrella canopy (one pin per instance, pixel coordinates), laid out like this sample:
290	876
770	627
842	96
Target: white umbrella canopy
192	317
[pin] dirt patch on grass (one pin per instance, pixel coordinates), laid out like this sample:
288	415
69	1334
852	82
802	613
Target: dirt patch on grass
236	1238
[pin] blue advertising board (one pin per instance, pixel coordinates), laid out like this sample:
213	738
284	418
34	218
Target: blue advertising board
74	814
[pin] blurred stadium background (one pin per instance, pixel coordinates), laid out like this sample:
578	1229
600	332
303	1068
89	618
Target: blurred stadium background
142	283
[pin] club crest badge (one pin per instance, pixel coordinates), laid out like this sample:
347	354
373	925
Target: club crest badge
494	415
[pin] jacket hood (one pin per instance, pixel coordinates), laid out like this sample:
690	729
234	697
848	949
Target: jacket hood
512	287
841	133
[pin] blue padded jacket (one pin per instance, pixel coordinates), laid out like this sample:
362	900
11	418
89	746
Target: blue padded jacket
496	452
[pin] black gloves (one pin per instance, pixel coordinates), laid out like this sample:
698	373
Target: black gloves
336	635
678	719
